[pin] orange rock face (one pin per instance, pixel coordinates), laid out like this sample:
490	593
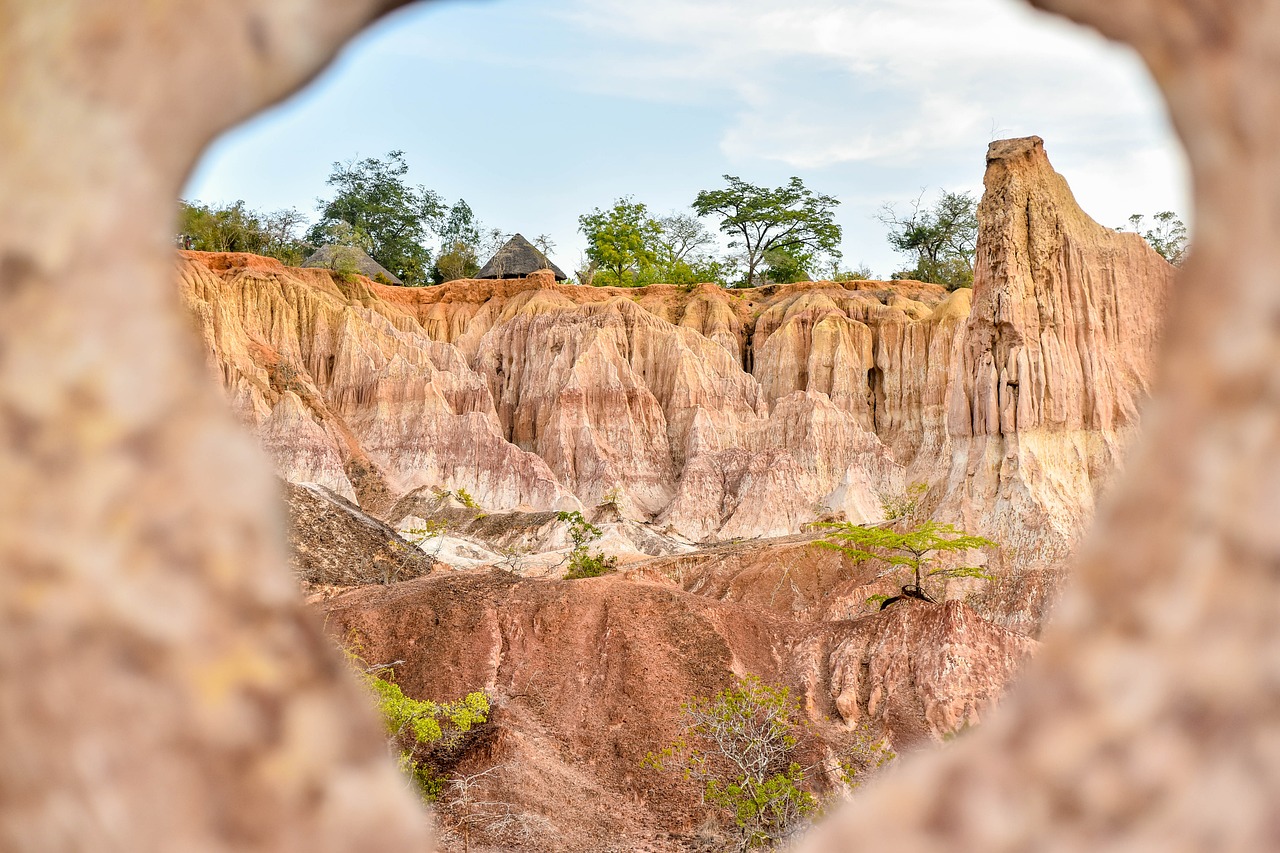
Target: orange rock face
1055	360
588	677
724	414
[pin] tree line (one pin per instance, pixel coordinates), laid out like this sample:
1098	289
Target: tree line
770	235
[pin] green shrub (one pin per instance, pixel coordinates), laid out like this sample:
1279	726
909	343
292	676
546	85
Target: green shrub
583	562
423	733
586	565
741	744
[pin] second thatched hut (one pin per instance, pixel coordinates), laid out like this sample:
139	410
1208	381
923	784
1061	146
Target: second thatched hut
518	259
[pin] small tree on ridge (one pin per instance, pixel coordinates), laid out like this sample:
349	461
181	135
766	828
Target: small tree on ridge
910	551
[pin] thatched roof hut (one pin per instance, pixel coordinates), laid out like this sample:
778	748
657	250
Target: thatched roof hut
349	258
517	259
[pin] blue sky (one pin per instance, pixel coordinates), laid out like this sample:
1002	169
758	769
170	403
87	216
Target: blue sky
536	111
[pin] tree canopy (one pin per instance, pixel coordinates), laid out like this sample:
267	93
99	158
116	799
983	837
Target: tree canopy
909	550
392	217
941	239
1167	235
237	228
791	219
621	242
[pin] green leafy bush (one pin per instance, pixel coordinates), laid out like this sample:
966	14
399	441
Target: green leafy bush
424	734
583	562
741	745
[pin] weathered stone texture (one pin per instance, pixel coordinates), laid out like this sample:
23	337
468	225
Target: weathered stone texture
161	687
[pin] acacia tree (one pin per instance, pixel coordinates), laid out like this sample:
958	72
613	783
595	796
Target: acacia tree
622	241
910	551
374	198
791	219
942	239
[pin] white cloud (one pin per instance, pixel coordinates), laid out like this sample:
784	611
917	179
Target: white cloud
821	82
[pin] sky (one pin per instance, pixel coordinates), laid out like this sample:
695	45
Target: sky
537	111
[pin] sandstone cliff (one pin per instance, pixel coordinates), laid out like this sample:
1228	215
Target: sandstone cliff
1054	362
724	414
539	396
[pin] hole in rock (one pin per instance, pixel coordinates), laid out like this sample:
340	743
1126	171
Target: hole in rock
604	508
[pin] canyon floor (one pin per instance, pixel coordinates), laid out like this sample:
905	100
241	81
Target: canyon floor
587	676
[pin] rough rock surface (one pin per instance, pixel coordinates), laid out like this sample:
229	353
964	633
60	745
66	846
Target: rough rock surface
539	396
161	685
1057	355
333	543
1148	719
588	677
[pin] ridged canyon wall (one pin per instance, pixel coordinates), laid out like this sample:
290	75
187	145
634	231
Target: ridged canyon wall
716	413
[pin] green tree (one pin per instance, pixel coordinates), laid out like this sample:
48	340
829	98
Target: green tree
741	745
1168	235
237	228
684	253
374	199
583	562
460	245
911	551
283	242
622	242
683	238
942	240
787	266
758	220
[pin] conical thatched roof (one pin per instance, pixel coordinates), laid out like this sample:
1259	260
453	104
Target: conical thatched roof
349	257
518	259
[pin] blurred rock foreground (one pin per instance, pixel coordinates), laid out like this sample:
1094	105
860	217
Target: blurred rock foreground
162	688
